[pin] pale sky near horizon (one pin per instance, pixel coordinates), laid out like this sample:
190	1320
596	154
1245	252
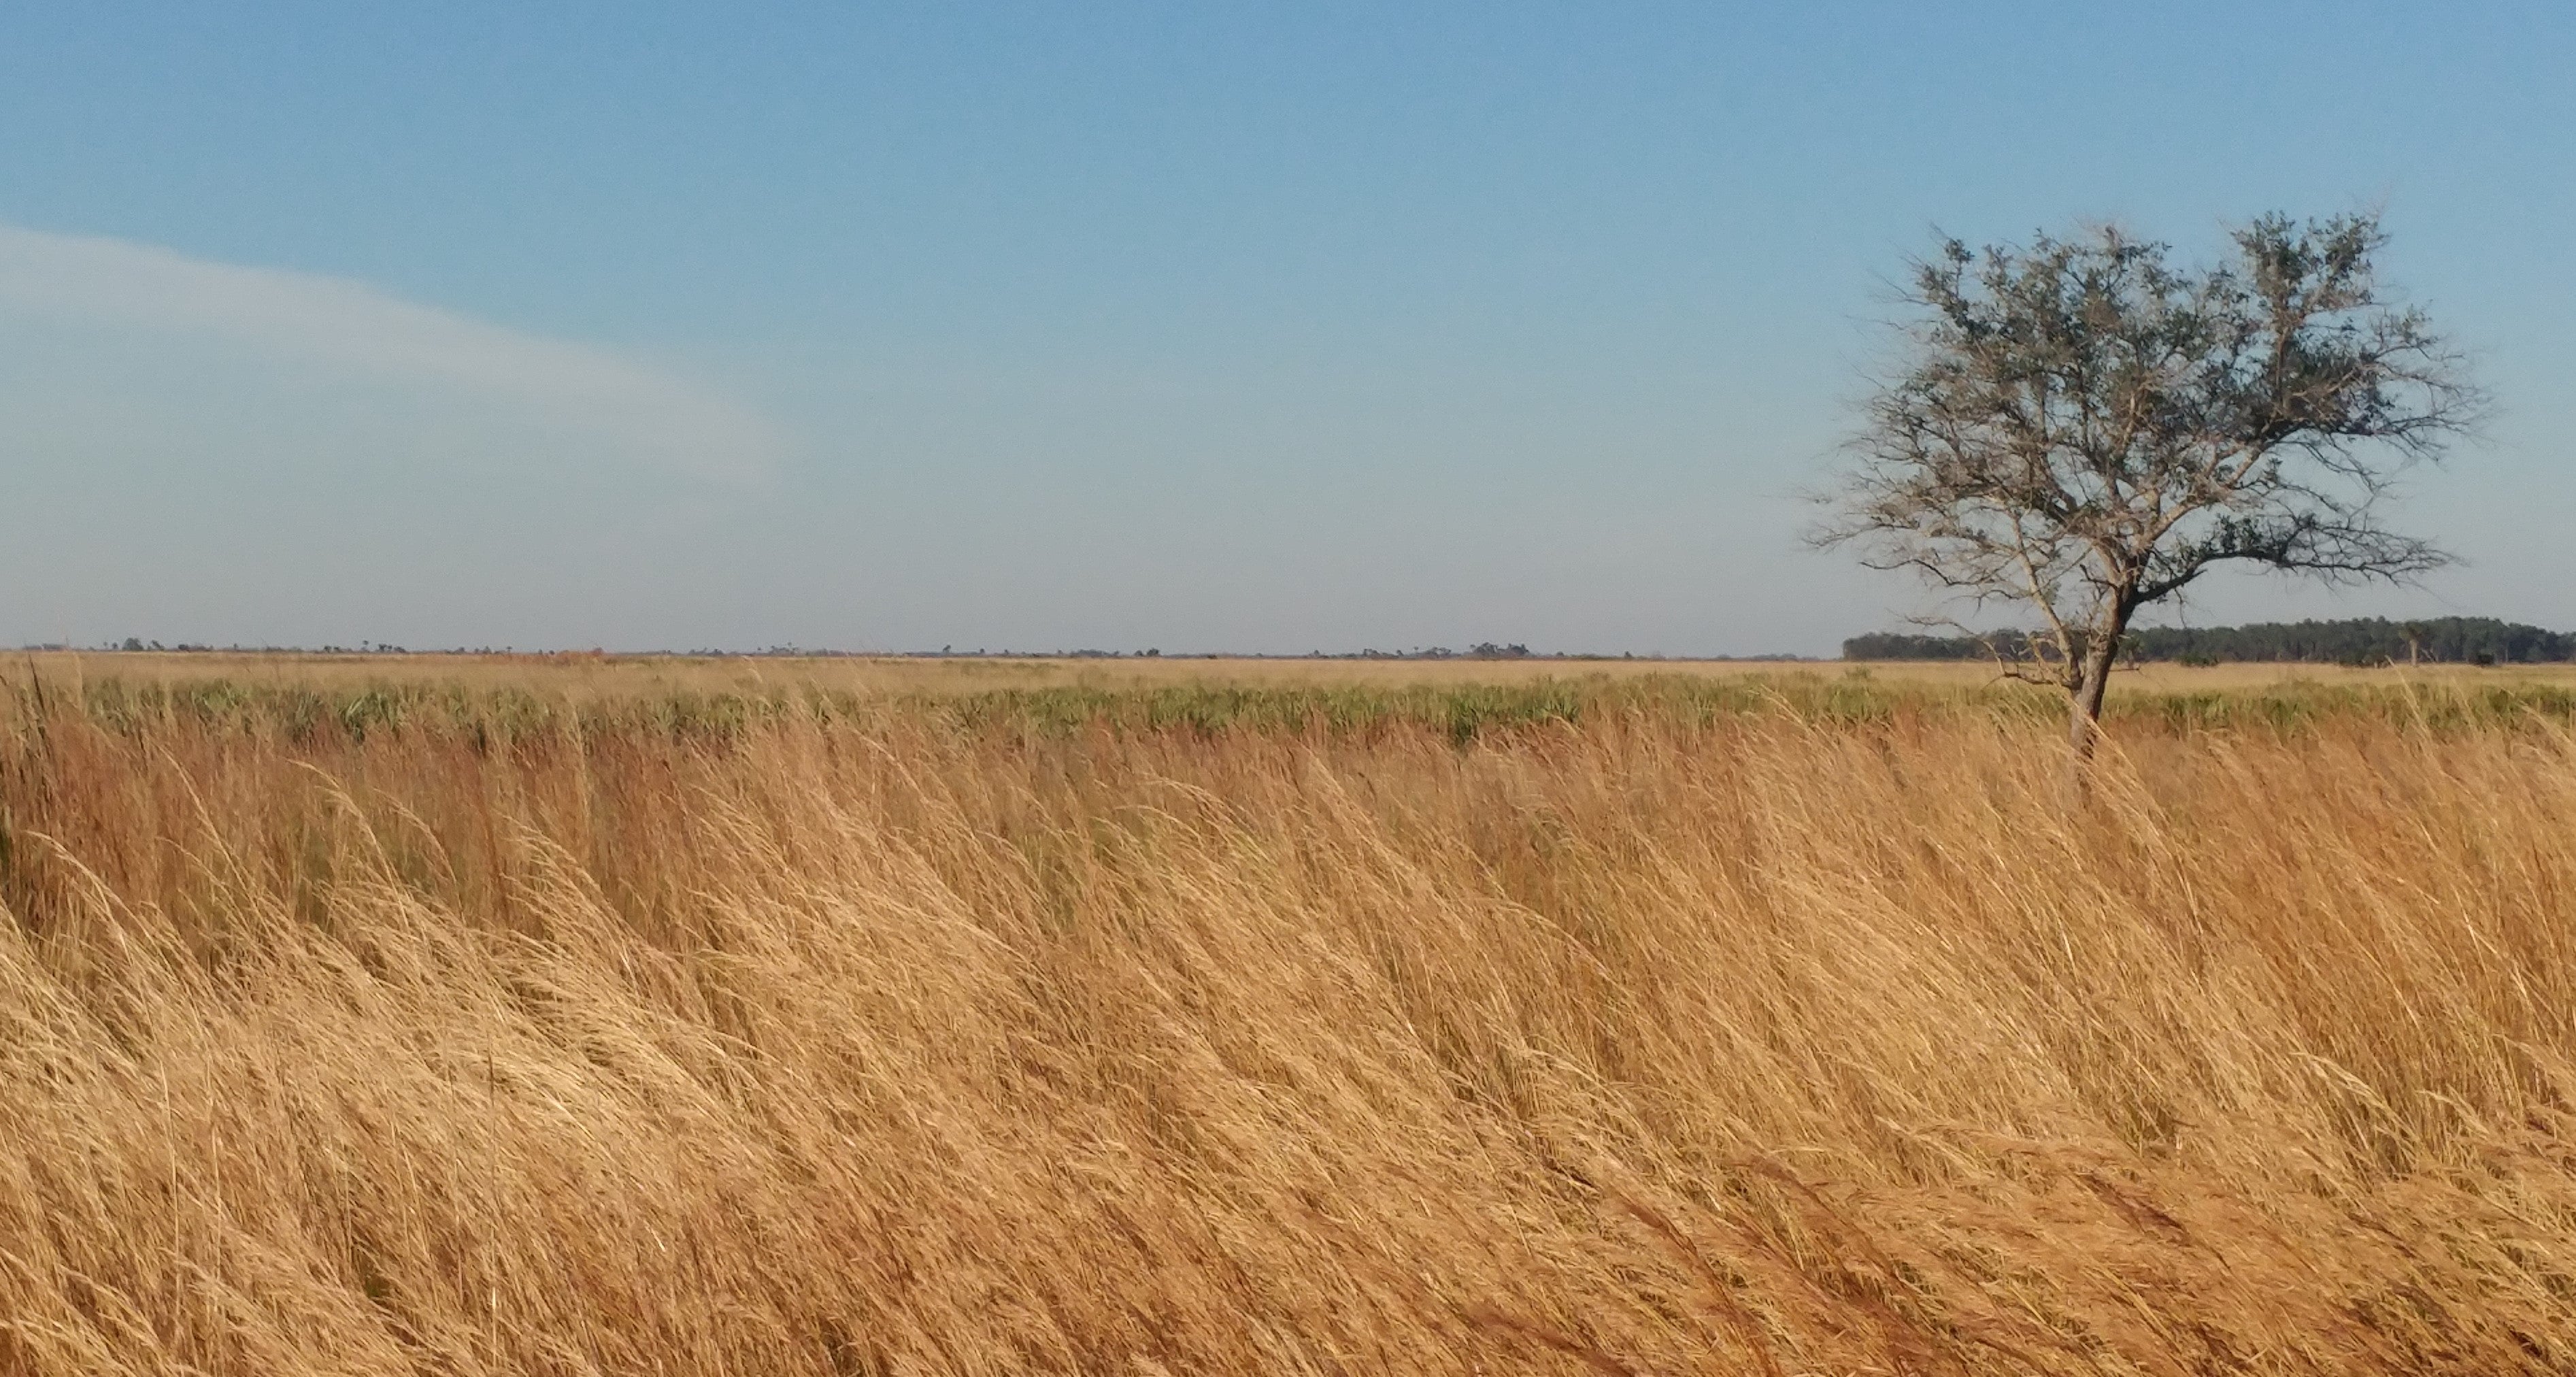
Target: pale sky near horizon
1202	327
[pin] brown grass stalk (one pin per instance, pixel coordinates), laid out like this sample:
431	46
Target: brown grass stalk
879	1043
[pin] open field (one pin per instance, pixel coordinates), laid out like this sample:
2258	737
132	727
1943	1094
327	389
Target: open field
569	1016
586	675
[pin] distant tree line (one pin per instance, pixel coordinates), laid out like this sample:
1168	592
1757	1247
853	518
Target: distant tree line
2355	641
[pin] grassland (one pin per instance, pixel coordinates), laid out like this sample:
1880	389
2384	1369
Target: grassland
425	1015
581	676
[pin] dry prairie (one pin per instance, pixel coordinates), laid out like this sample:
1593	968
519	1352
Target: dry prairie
586	675
1803	1027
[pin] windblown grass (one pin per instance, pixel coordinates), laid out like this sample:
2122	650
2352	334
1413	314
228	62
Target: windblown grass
1769	1026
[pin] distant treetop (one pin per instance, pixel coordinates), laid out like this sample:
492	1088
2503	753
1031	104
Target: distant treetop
2355	641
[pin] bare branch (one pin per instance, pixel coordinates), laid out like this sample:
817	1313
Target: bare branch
2082	428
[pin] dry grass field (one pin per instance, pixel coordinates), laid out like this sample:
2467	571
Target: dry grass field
581	676
484	1017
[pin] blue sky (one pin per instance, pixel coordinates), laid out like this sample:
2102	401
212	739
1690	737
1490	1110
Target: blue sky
1200	327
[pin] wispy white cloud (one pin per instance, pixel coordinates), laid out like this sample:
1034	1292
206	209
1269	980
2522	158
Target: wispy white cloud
637	409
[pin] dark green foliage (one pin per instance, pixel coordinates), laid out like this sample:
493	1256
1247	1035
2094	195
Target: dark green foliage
2354	641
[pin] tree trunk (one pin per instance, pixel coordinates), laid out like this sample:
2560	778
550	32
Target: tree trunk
2084	699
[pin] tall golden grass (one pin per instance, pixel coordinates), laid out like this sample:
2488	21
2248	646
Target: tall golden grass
1769	1041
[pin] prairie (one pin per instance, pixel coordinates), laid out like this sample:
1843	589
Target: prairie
582	675
575	1016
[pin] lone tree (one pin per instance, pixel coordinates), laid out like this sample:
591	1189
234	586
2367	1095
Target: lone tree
2083	427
